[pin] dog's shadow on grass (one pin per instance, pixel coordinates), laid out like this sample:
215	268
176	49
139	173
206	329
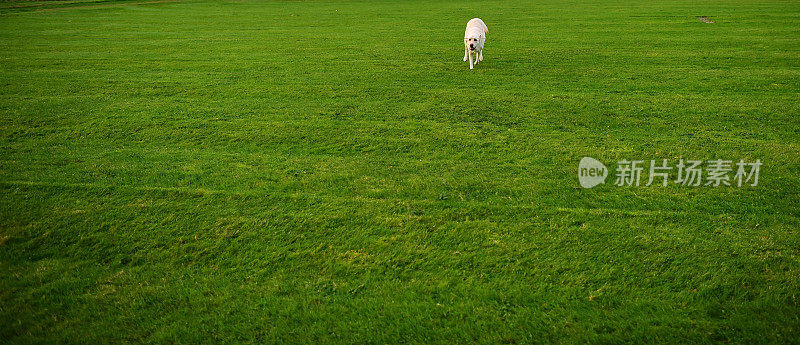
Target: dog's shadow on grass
509	62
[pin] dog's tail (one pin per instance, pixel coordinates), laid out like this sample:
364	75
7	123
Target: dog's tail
485	28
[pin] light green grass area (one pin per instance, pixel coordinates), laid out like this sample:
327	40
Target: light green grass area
332	172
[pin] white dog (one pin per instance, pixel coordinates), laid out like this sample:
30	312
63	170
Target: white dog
474	38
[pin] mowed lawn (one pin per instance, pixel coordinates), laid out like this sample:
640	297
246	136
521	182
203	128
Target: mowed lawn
332	172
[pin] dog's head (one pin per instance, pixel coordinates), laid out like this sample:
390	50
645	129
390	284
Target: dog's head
471	43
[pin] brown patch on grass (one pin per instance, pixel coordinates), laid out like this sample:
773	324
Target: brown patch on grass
705	19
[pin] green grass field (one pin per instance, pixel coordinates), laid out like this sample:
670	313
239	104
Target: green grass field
332	172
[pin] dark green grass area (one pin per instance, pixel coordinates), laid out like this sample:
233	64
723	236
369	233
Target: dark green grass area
323	171
16	6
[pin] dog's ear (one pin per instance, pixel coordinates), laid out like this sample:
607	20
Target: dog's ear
485	28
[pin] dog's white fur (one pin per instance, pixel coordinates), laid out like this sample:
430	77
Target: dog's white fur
474	38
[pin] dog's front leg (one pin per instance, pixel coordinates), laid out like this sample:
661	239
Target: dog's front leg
480	55
470	61
466	52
